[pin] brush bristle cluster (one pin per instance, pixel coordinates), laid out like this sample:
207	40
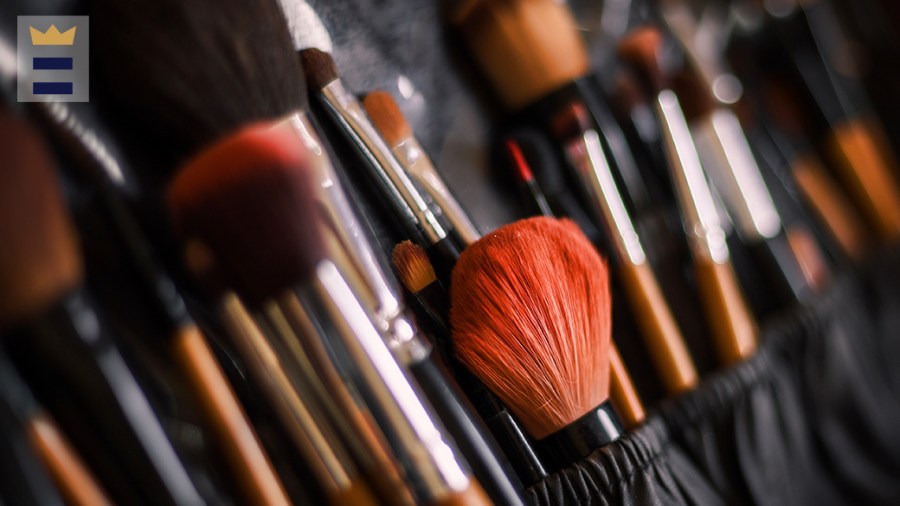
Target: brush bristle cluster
641	49
248	198
527	48
39	257
387	117
530	316
178	75
320	68
412	266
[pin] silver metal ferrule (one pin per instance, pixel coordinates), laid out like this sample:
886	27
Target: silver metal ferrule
698	209
341	221
347	242
729	161
586	156
404	415
409	204
420	167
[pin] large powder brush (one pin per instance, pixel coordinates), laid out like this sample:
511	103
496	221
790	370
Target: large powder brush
530	313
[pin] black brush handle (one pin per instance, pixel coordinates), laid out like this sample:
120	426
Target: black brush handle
480	451
783	271
443	255
596	429
23	479
78	371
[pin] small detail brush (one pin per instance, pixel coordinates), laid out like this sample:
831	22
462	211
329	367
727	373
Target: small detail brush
531	317
397	189
397	133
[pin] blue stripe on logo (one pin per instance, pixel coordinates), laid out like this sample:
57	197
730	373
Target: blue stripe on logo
51	88
52	64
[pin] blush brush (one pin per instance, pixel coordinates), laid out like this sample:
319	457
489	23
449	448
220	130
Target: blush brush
530	313
256	214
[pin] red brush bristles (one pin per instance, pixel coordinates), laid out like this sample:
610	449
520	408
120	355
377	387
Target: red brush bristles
530	316
250	200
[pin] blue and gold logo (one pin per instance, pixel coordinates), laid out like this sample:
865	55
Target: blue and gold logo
53	59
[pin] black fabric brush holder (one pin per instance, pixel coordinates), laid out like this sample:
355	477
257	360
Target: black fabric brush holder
810	419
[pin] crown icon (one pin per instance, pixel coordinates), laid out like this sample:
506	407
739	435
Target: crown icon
52	37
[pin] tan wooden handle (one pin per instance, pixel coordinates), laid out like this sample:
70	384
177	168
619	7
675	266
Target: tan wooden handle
73	478
662	337
249	463
472	496
867	172
358	493
622	392
829	203
734	328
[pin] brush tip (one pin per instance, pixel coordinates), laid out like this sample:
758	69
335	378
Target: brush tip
530	316
319	67
39	257
387	117
641	50
249	200
413	266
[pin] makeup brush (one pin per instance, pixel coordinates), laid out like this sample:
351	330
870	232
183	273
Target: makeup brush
57	338
396	188
427	295
396	132
253	209
732	324
531	318
545	53
806	40
622	390
37	431
727	158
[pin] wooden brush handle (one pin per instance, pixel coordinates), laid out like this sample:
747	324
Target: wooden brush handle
734	329
622	392
250	465
663	339
472	496
809	255
830	204
868	174
358	493
73	478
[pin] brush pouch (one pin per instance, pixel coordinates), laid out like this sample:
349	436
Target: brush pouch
811	419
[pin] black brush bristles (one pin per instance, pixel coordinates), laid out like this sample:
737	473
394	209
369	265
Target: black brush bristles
180	74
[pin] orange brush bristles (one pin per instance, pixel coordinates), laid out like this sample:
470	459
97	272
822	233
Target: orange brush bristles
530	316
412	266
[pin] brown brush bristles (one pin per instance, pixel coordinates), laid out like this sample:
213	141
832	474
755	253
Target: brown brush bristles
387	117
530	314
248	198
694	95
176	75
319	68
413	266
572	120
641	50
39	257
527	48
